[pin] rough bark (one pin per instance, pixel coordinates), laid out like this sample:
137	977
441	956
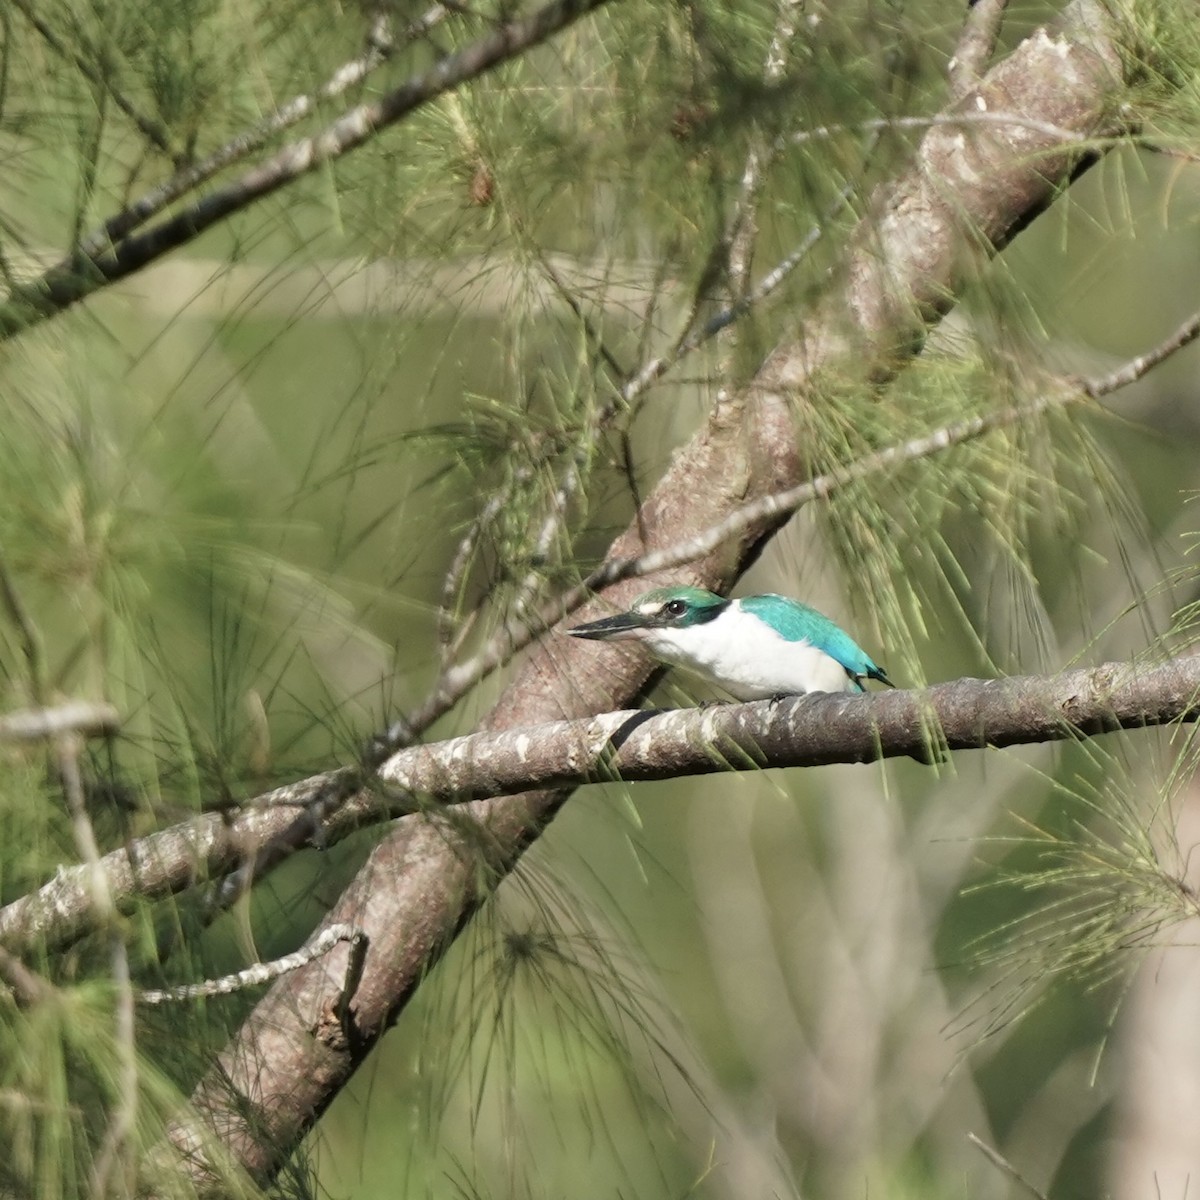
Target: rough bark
801	731
632	746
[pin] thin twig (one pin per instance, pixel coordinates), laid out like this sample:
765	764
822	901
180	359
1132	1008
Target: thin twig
652	371
316	799
460	562
380	47
976	45
569	298
785	503
997	1159
76	277
449	639
1066	392
113	1153
553	523
742	230
558	507
70	747
257	974
1135	368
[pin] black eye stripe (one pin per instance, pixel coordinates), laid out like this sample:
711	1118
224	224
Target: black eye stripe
709	612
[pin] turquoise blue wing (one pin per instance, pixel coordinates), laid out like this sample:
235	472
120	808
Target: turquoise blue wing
798	622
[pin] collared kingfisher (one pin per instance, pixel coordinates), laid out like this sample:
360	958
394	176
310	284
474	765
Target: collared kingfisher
755	648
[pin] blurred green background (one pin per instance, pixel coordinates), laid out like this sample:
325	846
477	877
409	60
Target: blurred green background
232	488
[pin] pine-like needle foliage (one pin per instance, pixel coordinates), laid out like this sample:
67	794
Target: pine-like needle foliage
290	495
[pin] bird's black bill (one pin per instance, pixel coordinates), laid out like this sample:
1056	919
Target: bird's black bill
608	627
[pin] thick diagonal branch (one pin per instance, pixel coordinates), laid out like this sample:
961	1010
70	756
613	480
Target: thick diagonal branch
632	745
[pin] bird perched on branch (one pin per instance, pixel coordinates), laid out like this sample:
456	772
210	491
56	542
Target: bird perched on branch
755	648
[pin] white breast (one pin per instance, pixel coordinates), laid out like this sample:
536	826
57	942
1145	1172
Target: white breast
749	659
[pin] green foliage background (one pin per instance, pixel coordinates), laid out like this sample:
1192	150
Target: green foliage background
232	488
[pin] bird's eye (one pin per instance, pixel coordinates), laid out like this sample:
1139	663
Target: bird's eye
674	608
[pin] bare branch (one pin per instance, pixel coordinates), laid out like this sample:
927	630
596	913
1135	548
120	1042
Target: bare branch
381	45
175	859
1170	151
784	504
259	973
801	731
69	748
976	45
1135	368
635	746
77	277
778	273
460	563
742	229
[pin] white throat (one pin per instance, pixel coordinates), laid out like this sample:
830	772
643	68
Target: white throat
747	658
